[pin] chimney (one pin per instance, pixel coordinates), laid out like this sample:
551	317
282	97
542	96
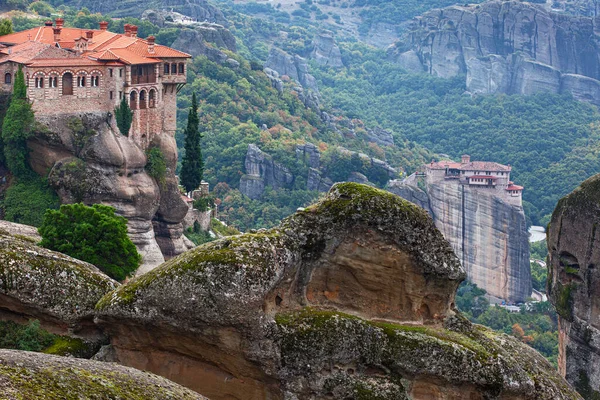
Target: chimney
89	35
127	29
48	23
151	40
60	22
465	159
103	25
57	33
134	30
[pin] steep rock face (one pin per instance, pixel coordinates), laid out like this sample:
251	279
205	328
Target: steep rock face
293	66
59	291
574	285
262	171
411	192
325	51
25	375
507	47
488	235
90	161
193	40
291	313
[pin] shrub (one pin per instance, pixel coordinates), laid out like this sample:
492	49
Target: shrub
93	234
26	201
156	166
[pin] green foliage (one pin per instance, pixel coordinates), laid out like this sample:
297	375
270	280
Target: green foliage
41	8
192	166
27	199
204	203
221	229
538	250
539	277
197	236
93	234
535	325
156	166
17	128
6	26
124	116
30	337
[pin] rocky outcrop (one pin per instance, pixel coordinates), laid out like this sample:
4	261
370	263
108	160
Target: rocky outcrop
57	290
198	10
351	297
380	136
487	234
506	47
574	285
262	171
194	41
90	161
293	66
20	230
325	51
25	375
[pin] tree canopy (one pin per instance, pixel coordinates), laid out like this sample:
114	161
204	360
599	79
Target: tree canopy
192	167
124	116
93	234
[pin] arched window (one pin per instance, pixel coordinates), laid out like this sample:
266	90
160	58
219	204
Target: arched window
143	99
174	68
95	81
81	81
53	82
67	84
152	98
39	82
8	78
167	69
181	68
133	100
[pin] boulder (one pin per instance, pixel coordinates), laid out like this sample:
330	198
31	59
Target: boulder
574	285
25	375
59	291
354	294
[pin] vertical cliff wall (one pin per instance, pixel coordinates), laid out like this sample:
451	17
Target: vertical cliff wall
488	235
574	285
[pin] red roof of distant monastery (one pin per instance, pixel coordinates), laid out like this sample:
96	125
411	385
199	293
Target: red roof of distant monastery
470	166
53	46
514	187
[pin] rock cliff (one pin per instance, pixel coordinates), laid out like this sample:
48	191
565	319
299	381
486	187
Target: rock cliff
488	235
262	171
574	285
293	66
25	375
506	47
352	297
194	40
326	51
87	159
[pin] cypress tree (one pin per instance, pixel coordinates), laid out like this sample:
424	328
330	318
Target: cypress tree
17	128
124	116
192	166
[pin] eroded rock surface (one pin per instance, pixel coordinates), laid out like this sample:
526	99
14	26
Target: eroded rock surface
25	375
59	291
574	285
506	47
351	296
90	162
293	66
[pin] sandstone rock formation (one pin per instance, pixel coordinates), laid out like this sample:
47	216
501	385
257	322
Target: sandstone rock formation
89	161
574	285
262	171
325	51
194	41
507	47
25	375
350	298
20	230
57	290
293	66
488	235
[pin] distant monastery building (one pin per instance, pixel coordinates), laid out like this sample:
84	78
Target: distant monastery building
491	177
70	70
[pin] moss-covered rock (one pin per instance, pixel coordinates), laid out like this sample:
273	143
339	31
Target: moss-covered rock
41	284
25	375
352	297
574	284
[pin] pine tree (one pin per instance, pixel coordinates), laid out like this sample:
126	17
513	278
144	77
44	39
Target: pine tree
192	166
124	116
17	128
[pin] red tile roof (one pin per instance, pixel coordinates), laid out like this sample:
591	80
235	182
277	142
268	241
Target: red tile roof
514	187
103	46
